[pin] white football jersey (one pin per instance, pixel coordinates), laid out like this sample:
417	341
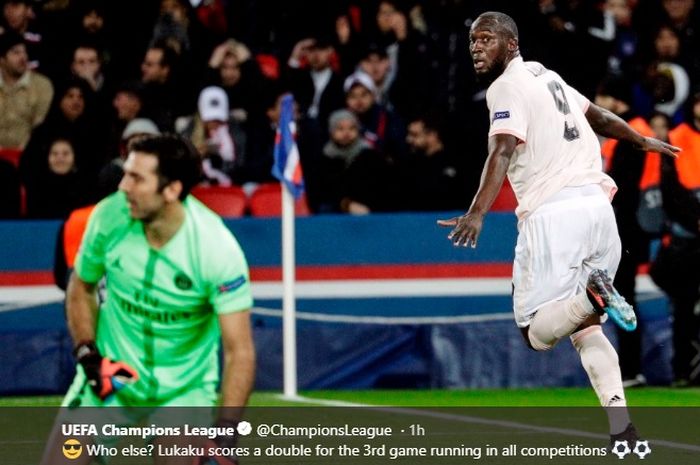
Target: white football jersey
557	147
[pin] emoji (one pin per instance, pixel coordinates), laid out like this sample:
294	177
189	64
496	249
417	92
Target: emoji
72	449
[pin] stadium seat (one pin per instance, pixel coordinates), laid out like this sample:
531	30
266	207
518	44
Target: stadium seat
267	201
505	201
226	201
11	155
269	65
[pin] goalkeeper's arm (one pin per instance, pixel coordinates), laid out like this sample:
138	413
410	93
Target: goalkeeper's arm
104	376
81	309
239	364
236	385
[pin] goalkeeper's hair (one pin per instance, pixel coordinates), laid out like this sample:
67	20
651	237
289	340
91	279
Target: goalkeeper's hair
177	160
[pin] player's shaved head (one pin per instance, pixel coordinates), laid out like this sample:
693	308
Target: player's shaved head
493	42
499	22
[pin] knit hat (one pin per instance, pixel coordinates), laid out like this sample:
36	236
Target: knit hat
140	126
341	115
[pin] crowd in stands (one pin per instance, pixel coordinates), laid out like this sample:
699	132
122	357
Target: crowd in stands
390	116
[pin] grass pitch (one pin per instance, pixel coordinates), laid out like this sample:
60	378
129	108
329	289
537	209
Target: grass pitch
542	397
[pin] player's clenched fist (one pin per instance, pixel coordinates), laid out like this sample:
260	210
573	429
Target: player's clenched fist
105	376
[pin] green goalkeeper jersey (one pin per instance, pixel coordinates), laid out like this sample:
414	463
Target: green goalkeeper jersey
160	309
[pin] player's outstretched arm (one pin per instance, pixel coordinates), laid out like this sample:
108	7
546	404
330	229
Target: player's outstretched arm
608	124
466	228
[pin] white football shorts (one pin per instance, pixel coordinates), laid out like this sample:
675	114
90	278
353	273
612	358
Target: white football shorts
559	244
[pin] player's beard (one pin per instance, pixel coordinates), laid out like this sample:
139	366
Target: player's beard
492	74
498	66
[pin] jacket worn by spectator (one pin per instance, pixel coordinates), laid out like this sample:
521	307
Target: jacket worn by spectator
24	106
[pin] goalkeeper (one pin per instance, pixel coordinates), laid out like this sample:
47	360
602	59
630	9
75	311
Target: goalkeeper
177	284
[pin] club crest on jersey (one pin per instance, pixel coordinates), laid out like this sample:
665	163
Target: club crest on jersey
231	286
183	282
501	115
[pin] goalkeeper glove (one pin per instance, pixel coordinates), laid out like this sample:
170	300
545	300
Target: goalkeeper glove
221	442
104	375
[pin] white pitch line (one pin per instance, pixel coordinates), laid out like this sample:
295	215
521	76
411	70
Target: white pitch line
480	421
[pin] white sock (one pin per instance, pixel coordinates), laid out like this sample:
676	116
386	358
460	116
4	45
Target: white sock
558	319
600	361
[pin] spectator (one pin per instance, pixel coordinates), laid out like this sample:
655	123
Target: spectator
25	95
317	88
682	16
179	28
162	100
375	63
664	87
232	69
69	118
369	181
664	52
128	101
660	124
342	149
675	269
431	175
410	58
347	40
90	25
626	41
91	16
17	16
127	105
172	26
381	127
217	137
667	44
57	187
112	172
87	64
